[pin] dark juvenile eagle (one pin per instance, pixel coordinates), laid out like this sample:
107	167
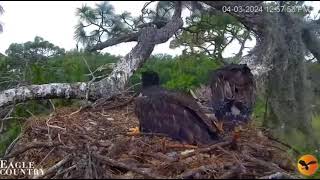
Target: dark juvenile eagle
233	94
173	114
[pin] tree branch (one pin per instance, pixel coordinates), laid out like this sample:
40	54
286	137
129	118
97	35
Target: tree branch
114	163
312	43
31	145
45	91
116	40
171	27
145	6
112	85
242	42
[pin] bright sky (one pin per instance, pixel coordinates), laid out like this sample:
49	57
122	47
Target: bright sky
55	21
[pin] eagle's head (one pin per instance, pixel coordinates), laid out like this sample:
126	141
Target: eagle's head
149	78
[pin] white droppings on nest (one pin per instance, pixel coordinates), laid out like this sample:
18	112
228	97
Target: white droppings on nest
93	123
187	152
110	119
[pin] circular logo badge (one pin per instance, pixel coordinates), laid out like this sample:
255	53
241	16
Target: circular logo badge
307	165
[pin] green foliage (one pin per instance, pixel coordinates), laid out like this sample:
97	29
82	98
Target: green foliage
316	124
13	129
210	34
70	68
67	69
305	149
314	76
100	23
103	22
259	110
295	138
33	51
181	73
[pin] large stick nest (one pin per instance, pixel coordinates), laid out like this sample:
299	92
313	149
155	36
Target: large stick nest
93	143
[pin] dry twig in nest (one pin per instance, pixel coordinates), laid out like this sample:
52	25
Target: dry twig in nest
55	167
137	156
118	105
193	172
114	163
206	149
279	175
29	146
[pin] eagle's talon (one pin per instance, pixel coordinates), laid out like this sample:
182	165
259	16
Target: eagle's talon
134	131
219	126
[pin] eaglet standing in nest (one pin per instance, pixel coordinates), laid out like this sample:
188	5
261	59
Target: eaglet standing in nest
233	96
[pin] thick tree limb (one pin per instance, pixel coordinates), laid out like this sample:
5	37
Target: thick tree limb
116	40
117	80
171	27
45	91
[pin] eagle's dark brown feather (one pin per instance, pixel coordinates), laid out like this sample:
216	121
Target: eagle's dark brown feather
233	82
174	114
233	87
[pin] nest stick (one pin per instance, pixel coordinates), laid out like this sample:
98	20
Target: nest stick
114	163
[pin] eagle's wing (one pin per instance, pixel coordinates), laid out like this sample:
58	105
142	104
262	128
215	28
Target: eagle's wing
155	116
170	114
233	81
218	88
190	103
